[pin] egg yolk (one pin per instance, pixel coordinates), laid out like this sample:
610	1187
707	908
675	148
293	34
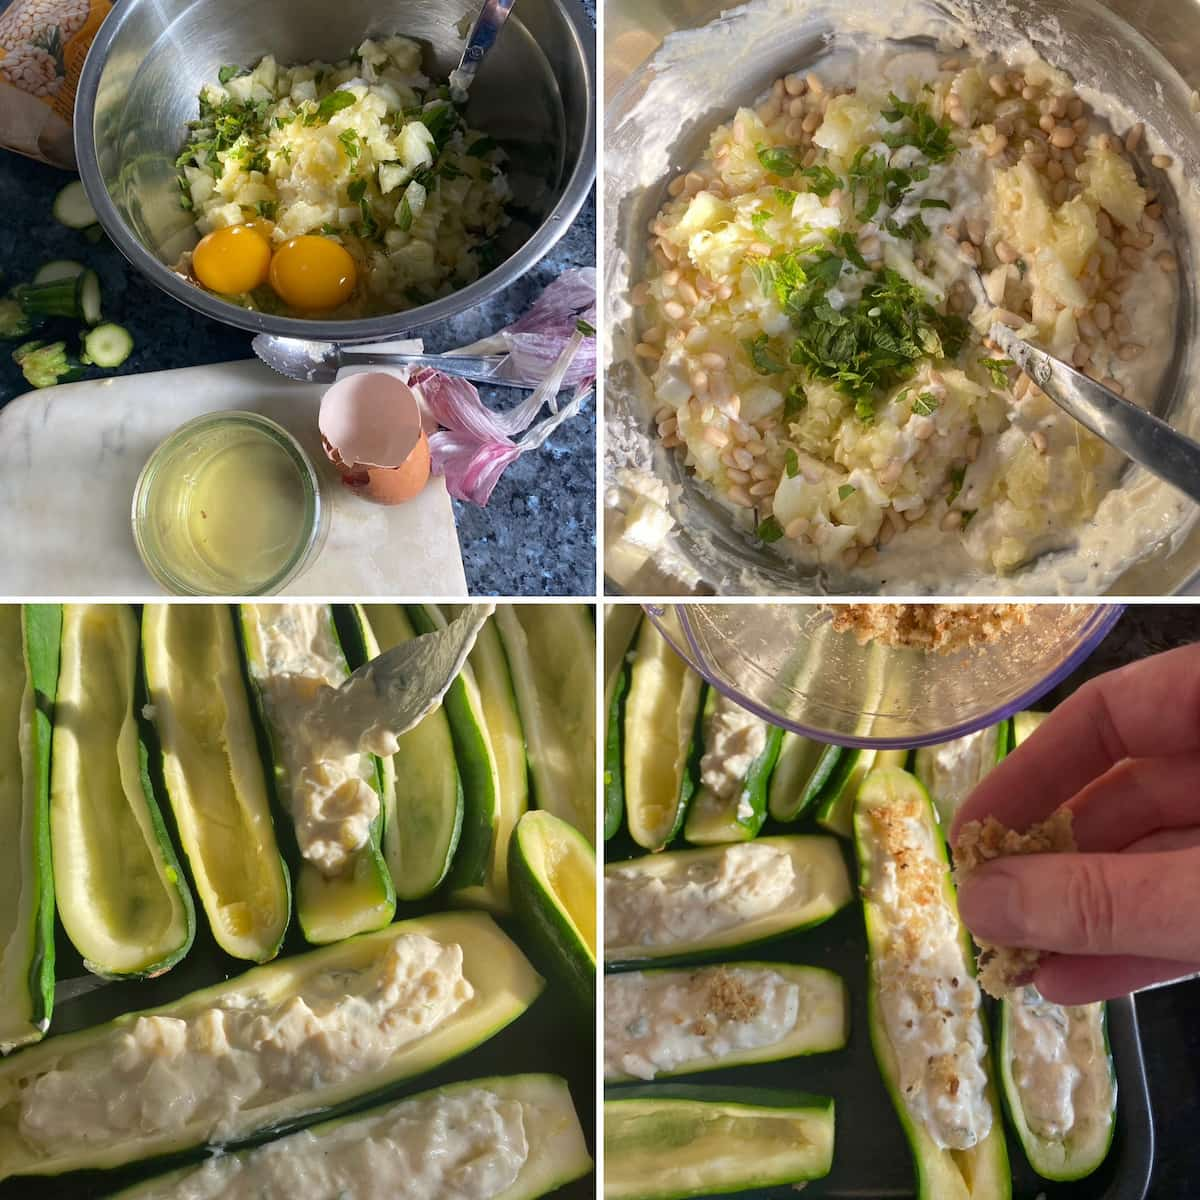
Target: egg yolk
313	273
233	260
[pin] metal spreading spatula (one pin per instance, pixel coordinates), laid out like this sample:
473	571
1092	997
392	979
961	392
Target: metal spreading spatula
480	40
1138	434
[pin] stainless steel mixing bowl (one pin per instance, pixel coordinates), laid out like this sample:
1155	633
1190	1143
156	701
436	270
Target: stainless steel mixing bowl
535	94
1147	55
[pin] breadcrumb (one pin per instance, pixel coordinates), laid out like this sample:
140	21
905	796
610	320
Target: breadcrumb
940	628
1004	969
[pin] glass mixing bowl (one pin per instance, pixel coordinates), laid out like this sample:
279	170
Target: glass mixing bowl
785	663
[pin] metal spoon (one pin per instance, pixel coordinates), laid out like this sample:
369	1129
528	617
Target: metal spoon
319	362
1137	433
480	40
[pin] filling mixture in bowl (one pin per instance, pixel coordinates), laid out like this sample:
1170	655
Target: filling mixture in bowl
821	288
350	190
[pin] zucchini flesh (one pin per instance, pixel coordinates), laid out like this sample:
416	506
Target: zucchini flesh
551	652
835	804
714	819
107	345
661	715
29	641
470	877
214	775
823	889
950	771
981	1172
503	986
59	268
661	1143
361	898
552	869
557	1151
72	207
822	1019
621	623
801	772
122	897
424	819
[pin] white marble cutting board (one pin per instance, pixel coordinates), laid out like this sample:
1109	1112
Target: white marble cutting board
70	456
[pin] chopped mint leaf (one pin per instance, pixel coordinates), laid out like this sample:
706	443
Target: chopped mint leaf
225	74
333	103
925	405
779	160
1022	267
913	230
349	140
794	402
330	230
821	180
786	196
791	464
928	135
770	530
268	209
759	220
957	476
765	363
967	516
934	203
356	189
998	369
846	241
846	491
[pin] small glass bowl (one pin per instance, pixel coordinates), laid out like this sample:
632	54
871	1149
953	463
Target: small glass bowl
165	488
785	663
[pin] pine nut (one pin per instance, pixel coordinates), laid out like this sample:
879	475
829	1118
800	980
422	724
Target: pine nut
644	350
997	145
998	84
1048	123
640	296
952	520
1168	263
1130	351
687	293
765	488
1134	136
733	475
814	84
1038	438
1063	137
668	427
1112	385
1162	161
795	84
716	437
1006	253
739	495
761	471
1102	315
699	381
1080	125
713	361
796	528
1054	170
812	122
1131	257
674	310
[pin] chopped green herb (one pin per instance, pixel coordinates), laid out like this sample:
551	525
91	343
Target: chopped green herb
928	135
185	195
284	122
441	120
967	517
1022	267
821	180
998	369
765	363
786	196
333	103
846	491
779	160
481	146
875	182
268	209
925	405
913	230
933	203
349	140
586	329
794	401
759	220
847	242
770	530
330	230
356	189
957	475
286	151
225	74
404	215
791	463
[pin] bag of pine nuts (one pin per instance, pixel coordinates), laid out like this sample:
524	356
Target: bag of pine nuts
42	47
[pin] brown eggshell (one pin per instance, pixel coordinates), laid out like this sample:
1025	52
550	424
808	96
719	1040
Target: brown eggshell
371	429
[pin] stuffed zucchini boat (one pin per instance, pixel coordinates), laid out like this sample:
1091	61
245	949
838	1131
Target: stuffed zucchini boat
662	710
739	751
213	772
687	904
265	1052
666	1142
334	803
682	1021
924	1005
122	897
551	652
950	771
514	1137
29	640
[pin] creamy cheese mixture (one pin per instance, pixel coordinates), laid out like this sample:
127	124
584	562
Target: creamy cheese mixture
664	1020
817	336
468	1145
333	800
1059	1064
930	1002
733	739
163	1073
954	768
709	894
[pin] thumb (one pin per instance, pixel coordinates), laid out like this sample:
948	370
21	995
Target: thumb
1147	904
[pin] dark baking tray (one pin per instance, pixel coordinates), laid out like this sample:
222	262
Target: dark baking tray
871	1155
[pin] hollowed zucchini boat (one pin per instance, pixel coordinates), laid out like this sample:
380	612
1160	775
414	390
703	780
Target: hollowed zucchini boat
621	622
424	818
552	870
817	862
980	1172
951	770
29	639
557	1152
214	775
551	652
822	1021
504	986
360	898
122	897
667	1142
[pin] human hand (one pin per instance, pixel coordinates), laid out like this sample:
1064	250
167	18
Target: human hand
1123	754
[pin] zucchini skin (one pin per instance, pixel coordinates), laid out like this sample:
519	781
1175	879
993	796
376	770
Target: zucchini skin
614	754
928	1160
784	808
835	803
754	791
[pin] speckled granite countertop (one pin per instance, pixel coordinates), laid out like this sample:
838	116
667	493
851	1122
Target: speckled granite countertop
536	537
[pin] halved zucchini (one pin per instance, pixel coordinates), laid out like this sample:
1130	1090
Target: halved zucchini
214	775
1024	724
621	622
29	640
551	652
663	1143
822	1015
661	717
889	799
801	773
333	1151
835	804
361	896
951	770
423	821
714	819
552	869
471	879
122	897
503	986
820	887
